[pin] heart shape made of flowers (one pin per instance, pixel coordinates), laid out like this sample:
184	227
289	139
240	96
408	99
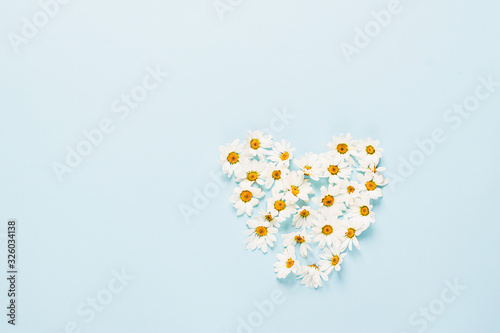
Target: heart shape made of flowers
332	220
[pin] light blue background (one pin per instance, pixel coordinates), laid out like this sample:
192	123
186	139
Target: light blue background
120	207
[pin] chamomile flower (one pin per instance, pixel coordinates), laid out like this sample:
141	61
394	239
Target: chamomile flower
331	200
368	167
287	263
258	144
326	231
299	238
250	172
345	147
231	156
274	174
361	210
305	217
348	233
282	153
261	235
369	151
245	198
350	190
372	183
294	185
311	276
334	168
282	206
331	260
310	164
272	217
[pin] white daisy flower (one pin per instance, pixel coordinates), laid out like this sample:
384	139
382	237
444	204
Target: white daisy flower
311	276
282	153
272	217
298	238
231	156
305	218
274	174
310	164
367	167
245	198
332	258
294	185
257	144
326	231
362	210
369	151
251	172
348	233
372	183
334	168
286	263
345	147
261	235
282	206
331	200
350	190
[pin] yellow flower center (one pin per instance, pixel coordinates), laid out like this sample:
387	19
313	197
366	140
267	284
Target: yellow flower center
314	266
370	150
252	176
246	196
261	231
370	186
350	189
335	260
276	174
350	232
342	148
299	239
333	169
289	263
365	211
233	157
307	168
269	217
305	213
279	205
328	200
284	155
295	190
255	144
327	230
